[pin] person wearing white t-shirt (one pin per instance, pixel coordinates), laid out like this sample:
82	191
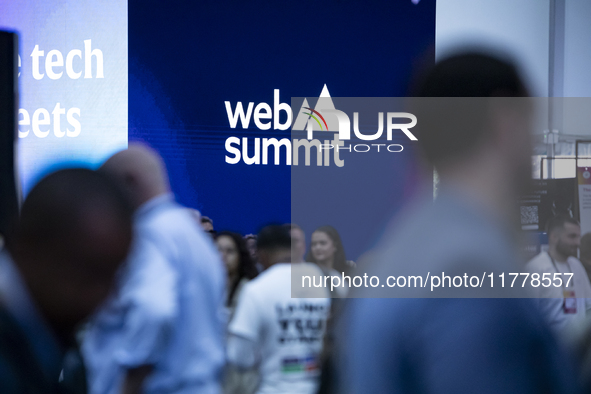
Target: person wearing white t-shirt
567	301
279	335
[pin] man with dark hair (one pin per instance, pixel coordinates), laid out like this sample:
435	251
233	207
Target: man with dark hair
273	242
557	223
452	129
272	332
480	148
207	224
74	231
251	245
565	307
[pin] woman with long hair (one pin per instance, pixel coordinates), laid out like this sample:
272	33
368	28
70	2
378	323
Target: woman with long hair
326	250
239	265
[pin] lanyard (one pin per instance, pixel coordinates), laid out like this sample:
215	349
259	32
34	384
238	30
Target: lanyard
558	272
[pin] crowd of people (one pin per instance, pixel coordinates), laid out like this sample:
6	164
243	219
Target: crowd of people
109	286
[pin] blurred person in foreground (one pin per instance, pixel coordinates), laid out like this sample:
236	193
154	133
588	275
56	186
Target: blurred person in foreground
163	331
74	231
565	307
196	215
273	333
457	345
581	335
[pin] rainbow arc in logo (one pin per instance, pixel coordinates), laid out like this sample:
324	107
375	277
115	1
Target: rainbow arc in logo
315	118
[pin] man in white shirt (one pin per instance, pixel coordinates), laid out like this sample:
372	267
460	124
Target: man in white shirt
280	335
566	302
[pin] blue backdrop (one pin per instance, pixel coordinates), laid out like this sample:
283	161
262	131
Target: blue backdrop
187	58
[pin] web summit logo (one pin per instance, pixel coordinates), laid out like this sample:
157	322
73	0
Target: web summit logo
324	118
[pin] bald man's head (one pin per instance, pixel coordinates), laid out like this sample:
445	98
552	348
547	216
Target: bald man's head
74	231
140	171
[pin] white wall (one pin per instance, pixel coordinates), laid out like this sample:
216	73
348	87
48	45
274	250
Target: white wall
577	49
519	28
576	117
522	29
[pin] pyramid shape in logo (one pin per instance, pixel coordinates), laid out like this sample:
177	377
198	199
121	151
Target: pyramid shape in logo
324	102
